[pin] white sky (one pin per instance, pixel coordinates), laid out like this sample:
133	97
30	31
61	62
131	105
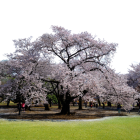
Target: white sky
135	62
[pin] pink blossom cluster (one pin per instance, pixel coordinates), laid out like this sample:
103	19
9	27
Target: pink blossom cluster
83	72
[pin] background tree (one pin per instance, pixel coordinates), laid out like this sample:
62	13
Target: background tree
52	99
4	77
26	83
133	78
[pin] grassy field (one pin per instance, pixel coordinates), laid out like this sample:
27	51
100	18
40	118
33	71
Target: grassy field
11	103
118	128
115	128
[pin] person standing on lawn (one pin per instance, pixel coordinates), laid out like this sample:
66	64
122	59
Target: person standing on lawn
78	103
19	107
139	107
119	108
73	103
96	105
103	105
128	111
23	106
85	104
91	104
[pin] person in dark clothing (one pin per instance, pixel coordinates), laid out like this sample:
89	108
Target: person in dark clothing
139	107
109	104
19	108
73	103
128	111
85	104
119	108
91	104
96	105
103	105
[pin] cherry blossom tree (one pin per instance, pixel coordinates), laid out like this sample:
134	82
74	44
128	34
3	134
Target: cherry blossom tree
4	77
70	86
78	51
84	72
133	78
25	83
19	89
81	53
117	90
35	67
24	62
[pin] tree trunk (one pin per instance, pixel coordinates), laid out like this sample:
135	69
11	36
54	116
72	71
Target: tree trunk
59	104
109	104
46	107
50	102
133	106
65	107
58	98
8	102
27	108
65	101
80	103
99	102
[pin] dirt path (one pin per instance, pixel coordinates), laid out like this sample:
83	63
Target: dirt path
38	113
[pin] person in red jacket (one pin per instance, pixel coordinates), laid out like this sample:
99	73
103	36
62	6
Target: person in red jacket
23	106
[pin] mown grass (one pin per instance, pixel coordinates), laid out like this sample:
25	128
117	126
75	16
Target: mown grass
118	128
11	103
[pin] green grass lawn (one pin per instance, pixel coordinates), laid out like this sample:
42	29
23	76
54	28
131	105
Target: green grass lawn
11	103
118	128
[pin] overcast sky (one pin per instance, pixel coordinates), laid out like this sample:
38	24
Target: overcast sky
135	62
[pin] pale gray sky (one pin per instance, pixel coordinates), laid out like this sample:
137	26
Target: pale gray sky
135	62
